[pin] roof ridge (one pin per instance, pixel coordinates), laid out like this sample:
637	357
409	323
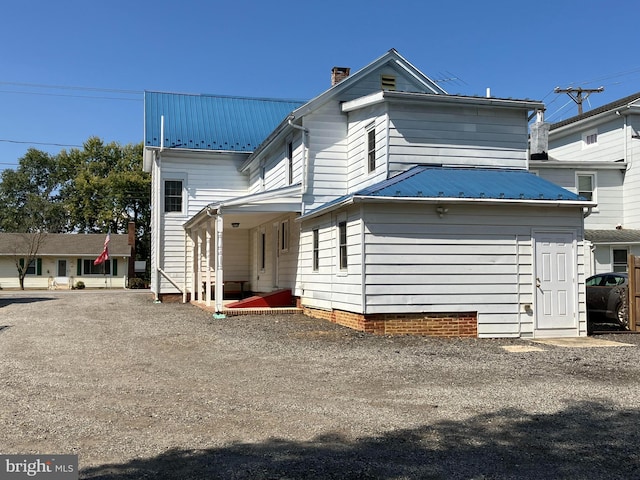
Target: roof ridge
238	97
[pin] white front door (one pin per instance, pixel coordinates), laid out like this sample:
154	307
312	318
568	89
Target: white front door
555	284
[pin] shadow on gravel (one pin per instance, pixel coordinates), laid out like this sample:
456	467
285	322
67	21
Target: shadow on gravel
4	301
587	440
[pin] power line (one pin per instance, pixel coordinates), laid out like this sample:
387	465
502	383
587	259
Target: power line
41	143
73	96
69	87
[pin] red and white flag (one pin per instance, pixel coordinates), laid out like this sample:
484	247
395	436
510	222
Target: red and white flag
105	251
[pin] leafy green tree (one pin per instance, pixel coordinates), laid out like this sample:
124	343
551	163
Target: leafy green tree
30	196
97	188
104	188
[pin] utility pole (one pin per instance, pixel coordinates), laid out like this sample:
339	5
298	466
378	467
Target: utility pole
576	94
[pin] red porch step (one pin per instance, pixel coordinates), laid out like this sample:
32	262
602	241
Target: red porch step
278	298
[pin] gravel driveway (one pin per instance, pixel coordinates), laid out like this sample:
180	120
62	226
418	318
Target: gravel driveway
164	391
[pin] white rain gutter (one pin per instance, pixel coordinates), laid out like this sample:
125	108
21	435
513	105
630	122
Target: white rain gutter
450	201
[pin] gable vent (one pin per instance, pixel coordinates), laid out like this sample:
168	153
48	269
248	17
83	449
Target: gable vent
388	82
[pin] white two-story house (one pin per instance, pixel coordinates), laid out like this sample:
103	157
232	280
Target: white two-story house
383	204
597	154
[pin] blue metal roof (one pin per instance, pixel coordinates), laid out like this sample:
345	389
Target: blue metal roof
471	183
212	122
462	183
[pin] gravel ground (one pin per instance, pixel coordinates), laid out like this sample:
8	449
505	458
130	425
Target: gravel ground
163	391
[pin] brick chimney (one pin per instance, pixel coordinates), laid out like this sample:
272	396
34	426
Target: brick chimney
338	74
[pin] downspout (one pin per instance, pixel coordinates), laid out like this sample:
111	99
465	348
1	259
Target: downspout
518	291
305	153
158	230
158	268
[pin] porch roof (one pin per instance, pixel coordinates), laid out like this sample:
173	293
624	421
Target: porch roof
433	184
612	237
254	208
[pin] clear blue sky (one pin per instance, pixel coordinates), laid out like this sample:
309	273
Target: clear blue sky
103	55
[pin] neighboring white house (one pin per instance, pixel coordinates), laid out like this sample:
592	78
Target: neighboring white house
63	259
597	154
384	204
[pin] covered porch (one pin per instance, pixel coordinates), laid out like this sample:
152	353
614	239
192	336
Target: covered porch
233	248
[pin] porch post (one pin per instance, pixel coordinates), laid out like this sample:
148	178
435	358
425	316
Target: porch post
219	275
194	250
198	265
208	263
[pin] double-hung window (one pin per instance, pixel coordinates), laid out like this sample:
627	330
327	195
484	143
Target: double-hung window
371	148
290	162
586	185
620	259
316	249
342	245
173	200
88	268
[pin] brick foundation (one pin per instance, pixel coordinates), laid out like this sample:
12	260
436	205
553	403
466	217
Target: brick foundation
434	324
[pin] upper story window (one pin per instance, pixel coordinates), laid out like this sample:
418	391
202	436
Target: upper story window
316	249
290	161
586	185
173	196
590	138
371	148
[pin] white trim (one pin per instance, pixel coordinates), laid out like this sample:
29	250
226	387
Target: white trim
594	187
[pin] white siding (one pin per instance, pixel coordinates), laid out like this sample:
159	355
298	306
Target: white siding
570	145
371	83
276	166
358	175
327	155
330	287
455	135
632	176
208	178
608	194
477	259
